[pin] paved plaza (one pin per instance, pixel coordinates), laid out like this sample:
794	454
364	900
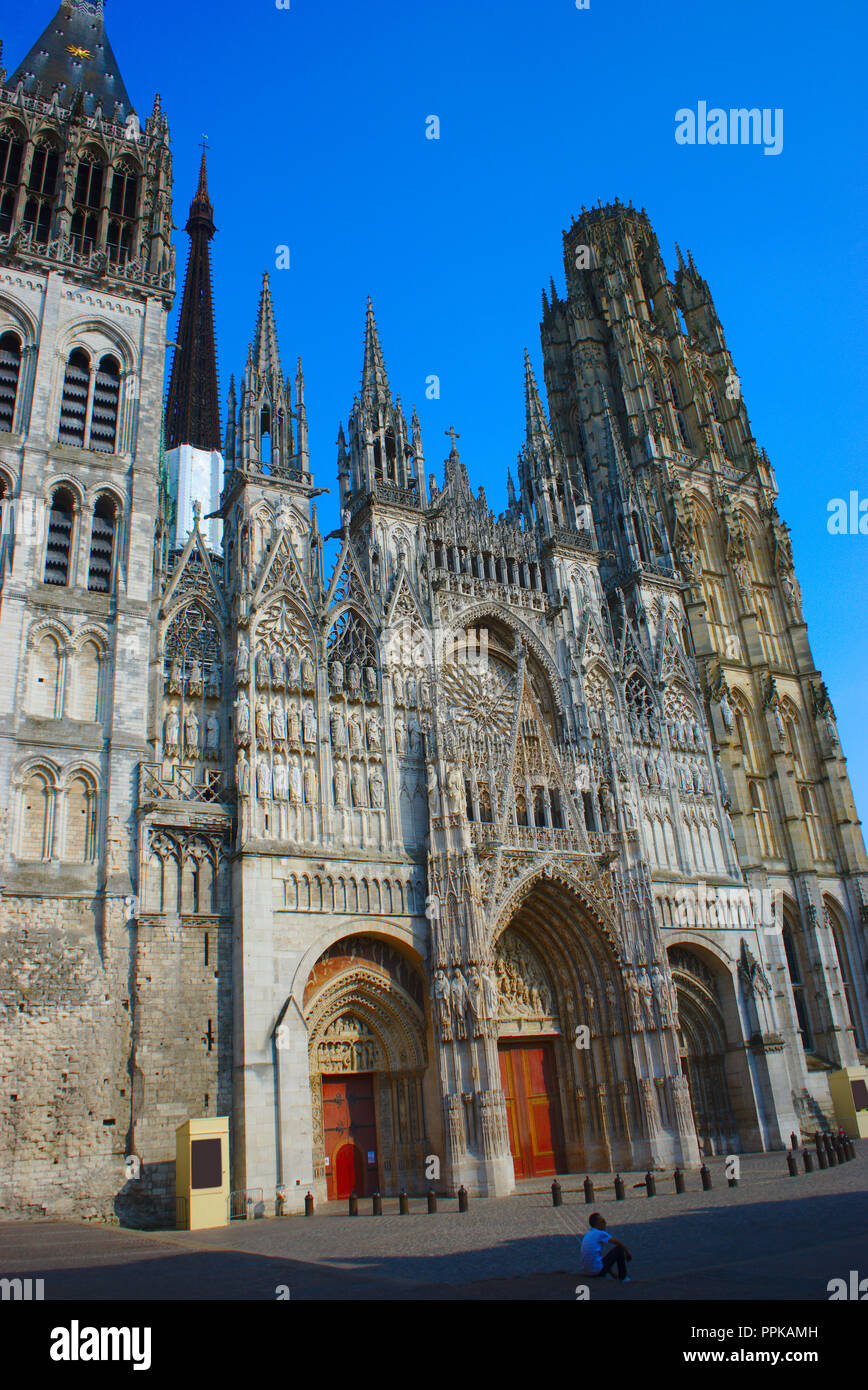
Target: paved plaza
772	1237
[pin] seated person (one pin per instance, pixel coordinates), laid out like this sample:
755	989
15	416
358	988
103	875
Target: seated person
601	1251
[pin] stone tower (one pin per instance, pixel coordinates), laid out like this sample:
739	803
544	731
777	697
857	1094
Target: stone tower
86	283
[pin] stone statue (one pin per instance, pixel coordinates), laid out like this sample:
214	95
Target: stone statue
726	711
647	995
263	780
411	689
336	674
278	721
294	781
398	687
294	724
779	723
443	996
358	785
242	775
378	791
338	729
372	726
191	732
460	997
242	717
263	719
308	674
194	680
292	668
371	684
454	790
261	666
489	980
242	663
310	784
356	733
354	678
400	734
309	724
340	784
176	677
215	681
172	732
212	735
476	992
277	669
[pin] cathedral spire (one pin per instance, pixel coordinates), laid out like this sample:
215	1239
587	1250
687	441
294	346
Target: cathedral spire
375	383
537	425
73	57
192	407
266	354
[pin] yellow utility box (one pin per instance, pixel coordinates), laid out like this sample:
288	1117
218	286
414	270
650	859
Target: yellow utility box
849	1088
202	1174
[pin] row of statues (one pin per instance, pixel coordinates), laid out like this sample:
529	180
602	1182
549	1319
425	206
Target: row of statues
281	780
353	680
192	734
465	1002
409	690
274	722
278	668
192	681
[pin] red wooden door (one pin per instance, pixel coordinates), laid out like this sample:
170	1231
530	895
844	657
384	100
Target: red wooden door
350	1135
529	1079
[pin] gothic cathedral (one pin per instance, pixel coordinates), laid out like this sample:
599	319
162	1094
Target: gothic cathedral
449	848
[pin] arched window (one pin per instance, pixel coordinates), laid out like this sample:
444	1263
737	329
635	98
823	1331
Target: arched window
104	415
86	205
839	937
102	542
122	213
10	370
812	822
762	820
795	973
265	445
80	839
11	150
679	417
36	805
41	188
73	405
45	683
58	546
87	666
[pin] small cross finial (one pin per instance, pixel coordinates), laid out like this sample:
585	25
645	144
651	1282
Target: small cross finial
453	435
205	145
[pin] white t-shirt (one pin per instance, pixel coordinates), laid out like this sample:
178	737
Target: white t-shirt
592	1251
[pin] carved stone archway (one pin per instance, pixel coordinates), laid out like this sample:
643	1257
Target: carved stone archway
702	1037
365	1013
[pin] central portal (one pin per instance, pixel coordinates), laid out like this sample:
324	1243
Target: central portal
350	1132
529	1078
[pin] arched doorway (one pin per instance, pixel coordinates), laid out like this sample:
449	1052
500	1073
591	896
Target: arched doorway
364	1005
703	1046
566	1063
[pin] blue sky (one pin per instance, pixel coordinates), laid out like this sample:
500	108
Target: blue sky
316	121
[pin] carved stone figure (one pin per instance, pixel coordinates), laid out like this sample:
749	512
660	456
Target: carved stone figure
292	669
277	669
372	726
281	780
242	662
310	784
242	717
371	685
401	734
358	785
377	787
278	721
191	732
242	775
215	682
338	729
336	674
309	724
489	981
194	680
294	724
454	790
261	667
295	781
176	677
443	996
354	678
263	720
172	732
263	780
397	687
340	784
646	993
459	1000
356	741
308	674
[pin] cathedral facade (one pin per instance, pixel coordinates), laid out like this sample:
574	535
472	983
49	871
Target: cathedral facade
449	848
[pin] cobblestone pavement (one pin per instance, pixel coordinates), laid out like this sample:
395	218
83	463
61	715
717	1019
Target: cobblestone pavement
772	1237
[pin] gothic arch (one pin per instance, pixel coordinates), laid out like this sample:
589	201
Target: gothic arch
471	616
709	1036
97	337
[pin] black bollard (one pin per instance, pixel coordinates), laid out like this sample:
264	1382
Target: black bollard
308	1204
650	1185
354	1204
403	1204
589	1192
808	1160
851	1148
377	1205
831	1155
557	1195
706	1178
821	1157
619	1188
792	1169
794	1143
679	1180
432	1202
462	1198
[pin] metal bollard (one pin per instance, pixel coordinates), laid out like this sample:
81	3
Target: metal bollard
808	1160
821	1156
589	1192
462	1198
308	1204
432	1201
791	1164
557	1195
650	1185
706	1178
679	1180
354	1205
377	1205
831	1155
403	1204
619	1188
851	1147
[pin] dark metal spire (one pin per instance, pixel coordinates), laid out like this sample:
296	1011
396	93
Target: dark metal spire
192	407
73	53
